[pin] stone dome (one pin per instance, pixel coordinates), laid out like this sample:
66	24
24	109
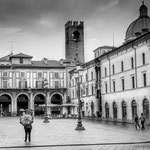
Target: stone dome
139	26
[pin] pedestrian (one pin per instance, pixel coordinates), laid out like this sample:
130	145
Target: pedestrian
26	120
136	121
143	121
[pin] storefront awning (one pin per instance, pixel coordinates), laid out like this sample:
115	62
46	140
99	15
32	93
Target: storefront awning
62	105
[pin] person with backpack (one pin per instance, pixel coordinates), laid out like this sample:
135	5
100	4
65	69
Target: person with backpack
26	120
143	121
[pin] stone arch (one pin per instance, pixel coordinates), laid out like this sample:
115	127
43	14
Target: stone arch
56	93
107	110
115	113
39	99
146	108
5	104
124	110
56	99
134	108
22	102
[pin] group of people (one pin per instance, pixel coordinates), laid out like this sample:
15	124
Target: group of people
140	121
26	120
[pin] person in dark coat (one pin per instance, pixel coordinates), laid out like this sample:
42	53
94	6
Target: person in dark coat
26	120
143	121
136	121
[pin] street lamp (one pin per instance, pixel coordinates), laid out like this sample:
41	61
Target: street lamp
78	74
45	91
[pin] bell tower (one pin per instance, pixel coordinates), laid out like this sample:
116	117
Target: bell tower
74	41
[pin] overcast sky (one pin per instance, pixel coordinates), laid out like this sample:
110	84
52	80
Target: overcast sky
36	27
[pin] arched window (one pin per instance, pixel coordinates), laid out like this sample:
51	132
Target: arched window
134	109
124	110
115	110
107	110
105	71
146	108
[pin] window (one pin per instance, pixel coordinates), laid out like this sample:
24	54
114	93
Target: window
122	84
56	75
144	78
122	67
132	63
21	60
39	74
5	74
105	71
5	84
56	84
86	77
114	86
92	90
23	84
22	74
92	75
106	87
86	90
133	82
39	84
113	69
143	58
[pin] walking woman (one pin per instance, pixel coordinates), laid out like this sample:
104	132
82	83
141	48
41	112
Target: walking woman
26	120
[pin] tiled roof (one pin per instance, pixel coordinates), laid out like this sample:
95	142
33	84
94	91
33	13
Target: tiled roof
48	63
21	55
41	64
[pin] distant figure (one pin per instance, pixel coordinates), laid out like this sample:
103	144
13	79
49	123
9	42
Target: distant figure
143	121
136	121
26	120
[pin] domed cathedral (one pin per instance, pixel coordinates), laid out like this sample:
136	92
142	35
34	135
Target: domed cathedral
74	41
139	26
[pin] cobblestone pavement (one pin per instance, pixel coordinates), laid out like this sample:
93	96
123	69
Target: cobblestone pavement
60	134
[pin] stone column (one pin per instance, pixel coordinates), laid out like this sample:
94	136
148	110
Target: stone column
48	100
14	105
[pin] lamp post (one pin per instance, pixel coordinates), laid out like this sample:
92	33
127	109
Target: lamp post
78	74
45	91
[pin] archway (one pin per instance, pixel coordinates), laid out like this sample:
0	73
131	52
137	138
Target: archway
134	109
124	110
38	100
5	105
56	99
114	110
107	110
146	108
22	102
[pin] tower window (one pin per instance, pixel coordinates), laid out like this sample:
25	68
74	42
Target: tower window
106	87
76	36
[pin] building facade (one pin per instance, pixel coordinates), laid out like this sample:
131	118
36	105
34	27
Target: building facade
22	85
121	75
